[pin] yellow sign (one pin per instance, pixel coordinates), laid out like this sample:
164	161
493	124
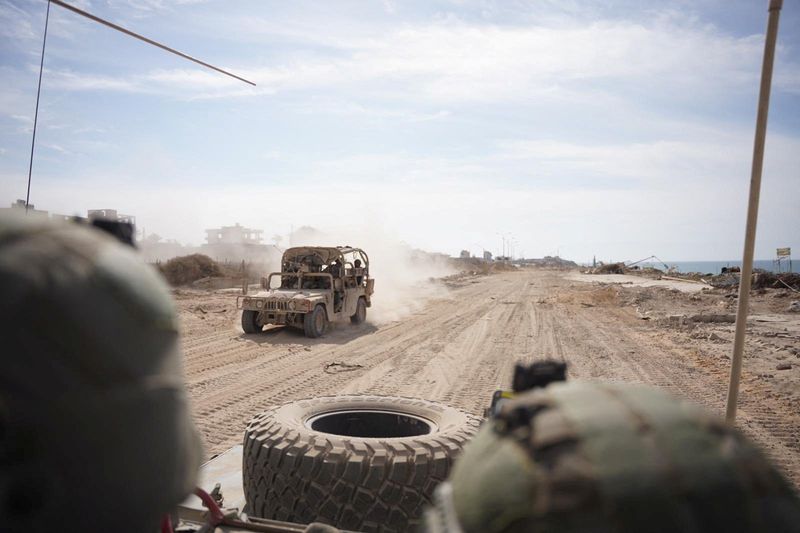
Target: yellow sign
784	252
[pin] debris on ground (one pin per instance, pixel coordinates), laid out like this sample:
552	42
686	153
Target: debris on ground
727	279
794	307
784	366
713	318
611	268
776	280
761	280
549	261
337	367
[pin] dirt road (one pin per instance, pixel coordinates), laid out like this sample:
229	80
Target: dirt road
458	350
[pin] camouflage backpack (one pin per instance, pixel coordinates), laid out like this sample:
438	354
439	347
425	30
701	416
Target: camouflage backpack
578	457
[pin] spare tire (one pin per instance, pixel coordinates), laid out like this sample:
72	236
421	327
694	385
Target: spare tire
356	462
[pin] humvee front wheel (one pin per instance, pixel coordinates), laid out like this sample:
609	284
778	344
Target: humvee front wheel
250	322
315	322
361	312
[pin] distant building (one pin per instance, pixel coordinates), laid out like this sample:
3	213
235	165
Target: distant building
19	206
233	235
487	255
154	249
111	214
465	254
66	218
237	243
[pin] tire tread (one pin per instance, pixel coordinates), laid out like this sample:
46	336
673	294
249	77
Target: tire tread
350	483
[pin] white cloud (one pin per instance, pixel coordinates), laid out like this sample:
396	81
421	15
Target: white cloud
74	81
646	164
23	118
15	24
460	62
57	148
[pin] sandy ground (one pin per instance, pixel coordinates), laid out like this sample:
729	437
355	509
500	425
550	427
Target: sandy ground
459	348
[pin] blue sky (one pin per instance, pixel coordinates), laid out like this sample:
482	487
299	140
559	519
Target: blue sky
620	129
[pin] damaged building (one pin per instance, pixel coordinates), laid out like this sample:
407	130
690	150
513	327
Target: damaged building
236	243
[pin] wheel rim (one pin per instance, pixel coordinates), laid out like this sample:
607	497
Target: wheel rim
362	311
319	322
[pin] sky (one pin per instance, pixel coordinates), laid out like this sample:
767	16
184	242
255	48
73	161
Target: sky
615	129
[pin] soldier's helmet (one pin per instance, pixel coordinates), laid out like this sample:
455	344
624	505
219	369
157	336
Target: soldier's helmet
95	430
583	457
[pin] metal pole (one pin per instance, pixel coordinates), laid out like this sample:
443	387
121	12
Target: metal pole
36	113
148	41
752	208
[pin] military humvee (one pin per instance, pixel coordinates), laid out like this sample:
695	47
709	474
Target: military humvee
316	286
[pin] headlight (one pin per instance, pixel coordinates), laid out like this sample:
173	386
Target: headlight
292	305
259	304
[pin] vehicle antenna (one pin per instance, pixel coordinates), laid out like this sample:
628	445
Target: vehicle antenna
36	114
119	29
145	39
752	208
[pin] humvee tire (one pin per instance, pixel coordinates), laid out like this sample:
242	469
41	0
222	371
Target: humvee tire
361	463
315	323
361	312
249	323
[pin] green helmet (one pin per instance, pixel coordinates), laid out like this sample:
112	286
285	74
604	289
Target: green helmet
577	457
95	430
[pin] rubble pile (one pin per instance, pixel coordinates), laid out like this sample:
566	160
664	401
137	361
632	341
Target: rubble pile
189	268
610	268
761	280
549	261
772	280
728	279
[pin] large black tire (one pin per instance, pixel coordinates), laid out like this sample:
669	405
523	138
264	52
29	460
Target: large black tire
303	464
361	312
315	323
250	322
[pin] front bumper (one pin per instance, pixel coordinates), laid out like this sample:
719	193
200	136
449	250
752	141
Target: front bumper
272	305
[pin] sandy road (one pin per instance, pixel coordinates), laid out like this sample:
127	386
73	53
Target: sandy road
456	350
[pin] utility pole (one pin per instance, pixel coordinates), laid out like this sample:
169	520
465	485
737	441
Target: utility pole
503	240
752	208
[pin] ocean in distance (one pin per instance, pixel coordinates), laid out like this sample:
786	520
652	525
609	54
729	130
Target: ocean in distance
714	267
